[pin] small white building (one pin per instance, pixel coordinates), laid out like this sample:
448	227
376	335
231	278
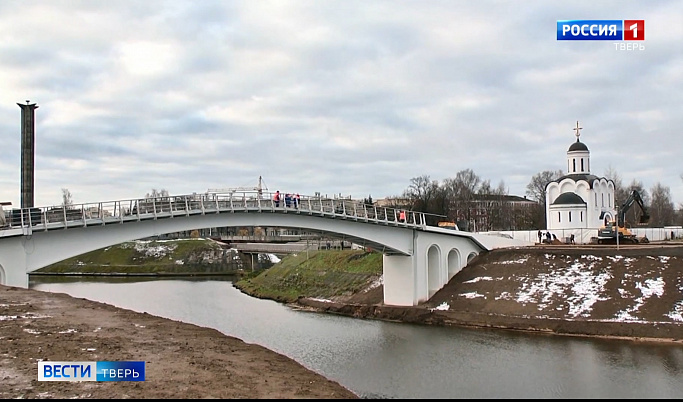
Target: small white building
579	199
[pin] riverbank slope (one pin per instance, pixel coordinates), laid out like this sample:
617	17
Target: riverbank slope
194	256
182	361
634	292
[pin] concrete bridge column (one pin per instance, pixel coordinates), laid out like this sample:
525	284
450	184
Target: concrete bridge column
13	271
399	280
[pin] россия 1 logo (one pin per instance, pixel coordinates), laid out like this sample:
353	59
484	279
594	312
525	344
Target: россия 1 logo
601	30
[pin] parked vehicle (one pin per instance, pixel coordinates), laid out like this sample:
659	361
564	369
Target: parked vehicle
609	232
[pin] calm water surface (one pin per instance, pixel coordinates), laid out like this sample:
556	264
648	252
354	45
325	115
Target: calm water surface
378	359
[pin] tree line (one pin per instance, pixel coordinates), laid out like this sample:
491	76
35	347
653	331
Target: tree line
469	200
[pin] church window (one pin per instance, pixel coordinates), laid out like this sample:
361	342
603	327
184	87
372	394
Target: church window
581	216
582	164
570	216
574	163
596	200
559	216
602	196
609	200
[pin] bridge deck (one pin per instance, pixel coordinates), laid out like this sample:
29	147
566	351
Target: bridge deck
135	210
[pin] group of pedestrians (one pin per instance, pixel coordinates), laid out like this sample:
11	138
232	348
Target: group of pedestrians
550	238
290	200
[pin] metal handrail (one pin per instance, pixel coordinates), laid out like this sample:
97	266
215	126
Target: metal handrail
139	209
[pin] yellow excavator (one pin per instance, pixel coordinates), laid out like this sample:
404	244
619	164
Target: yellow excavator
608	233
447	225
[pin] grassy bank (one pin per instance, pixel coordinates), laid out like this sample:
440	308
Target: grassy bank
321	274
187	256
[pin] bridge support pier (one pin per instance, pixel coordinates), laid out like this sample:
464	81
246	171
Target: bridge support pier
405	280
13	268
399	280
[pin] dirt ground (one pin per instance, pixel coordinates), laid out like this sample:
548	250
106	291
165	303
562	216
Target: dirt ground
181	360
551	289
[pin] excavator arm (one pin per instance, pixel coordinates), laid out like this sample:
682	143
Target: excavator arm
610	232
633	198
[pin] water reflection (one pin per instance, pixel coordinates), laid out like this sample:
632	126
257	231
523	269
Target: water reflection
35	280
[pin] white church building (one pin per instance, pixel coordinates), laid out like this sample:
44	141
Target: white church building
579	199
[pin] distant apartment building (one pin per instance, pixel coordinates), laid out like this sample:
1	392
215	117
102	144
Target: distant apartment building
96	213
489	212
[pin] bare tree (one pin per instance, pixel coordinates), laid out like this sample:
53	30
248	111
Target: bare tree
67	199
467	183
485	187
621	193
535	190
157	193
460	192
421	192
662	211
495	213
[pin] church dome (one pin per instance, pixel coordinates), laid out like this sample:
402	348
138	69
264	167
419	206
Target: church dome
578	146
569	199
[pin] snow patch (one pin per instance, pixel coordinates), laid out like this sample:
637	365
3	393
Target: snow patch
649	288
577	280
273	258
376	283
504	296
521	260
321	300
472	295
677	313
481	278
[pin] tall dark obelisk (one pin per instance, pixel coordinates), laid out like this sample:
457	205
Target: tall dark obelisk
28	150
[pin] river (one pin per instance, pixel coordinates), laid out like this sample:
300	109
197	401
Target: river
378	359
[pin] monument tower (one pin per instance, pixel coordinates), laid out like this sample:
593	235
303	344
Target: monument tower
27	153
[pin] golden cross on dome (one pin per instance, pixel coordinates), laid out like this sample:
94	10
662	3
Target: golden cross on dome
578	133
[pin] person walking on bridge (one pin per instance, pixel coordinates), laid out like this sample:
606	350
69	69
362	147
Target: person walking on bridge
402	216
276	198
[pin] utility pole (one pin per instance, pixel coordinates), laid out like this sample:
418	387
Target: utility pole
616	224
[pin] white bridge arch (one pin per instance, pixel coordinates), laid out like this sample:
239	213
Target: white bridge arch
418	259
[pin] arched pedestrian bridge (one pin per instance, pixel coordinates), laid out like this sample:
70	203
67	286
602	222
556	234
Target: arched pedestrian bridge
418	259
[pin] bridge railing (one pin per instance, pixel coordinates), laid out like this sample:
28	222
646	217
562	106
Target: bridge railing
107	212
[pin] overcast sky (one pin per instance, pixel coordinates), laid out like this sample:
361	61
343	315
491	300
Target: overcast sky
350	97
